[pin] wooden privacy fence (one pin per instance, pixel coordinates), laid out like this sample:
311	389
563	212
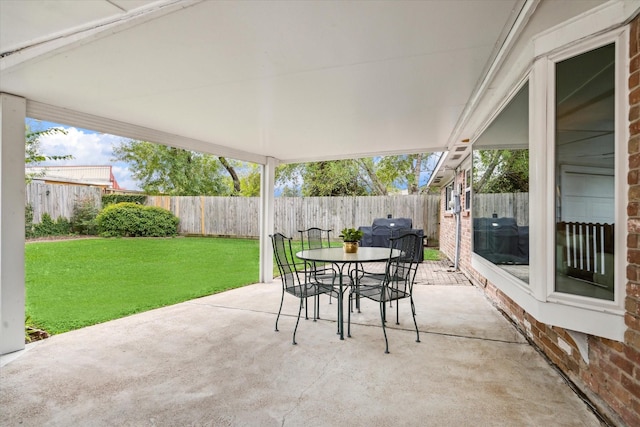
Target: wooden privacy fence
239	216
504	205
58	200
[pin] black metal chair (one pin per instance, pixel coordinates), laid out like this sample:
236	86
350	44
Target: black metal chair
290	276
394	284
317	238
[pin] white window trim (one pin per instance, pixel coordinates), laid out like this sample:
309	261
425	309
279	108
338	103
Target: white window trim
449	189
620	37
575	313
468	179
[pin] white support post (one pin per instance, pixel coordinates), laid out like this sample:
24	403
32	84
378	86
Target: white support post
267	189
12	193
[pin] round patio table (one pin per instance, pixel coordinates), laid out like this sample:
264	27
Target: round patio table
339	258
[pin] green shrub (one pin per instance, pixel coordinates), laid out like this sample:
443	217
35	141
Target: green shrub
28	221
112	199
49	227
83	220
134	220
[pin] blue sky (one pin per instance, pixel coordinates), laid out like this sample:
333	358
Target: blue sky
89	148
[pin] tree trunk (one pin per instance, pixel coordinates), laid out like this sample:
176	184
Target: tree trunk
234	175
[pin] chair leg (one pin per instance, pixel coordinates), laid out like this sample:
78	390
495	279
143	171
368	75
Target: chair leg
413	312
384	330
279	310
349	316
297	321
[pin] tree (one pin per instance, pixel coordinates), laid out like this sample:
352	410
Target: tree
406	170
250	183
232	173
175	171
501	171
32	152
365	176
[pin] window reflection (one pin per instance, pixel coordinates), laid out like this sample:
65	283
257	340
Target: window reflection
585	174
500	186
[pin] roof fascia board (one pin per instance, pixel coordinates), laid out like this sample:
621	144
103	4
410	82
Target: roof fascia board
593	22
439	169
51	113
518	24
57	43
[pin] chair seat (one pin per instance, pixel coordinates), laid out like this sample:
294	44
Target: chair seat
376	293
304	290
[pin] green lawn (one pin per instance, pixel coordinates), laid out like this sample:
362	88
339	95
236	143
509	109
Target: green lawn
431	254
75	283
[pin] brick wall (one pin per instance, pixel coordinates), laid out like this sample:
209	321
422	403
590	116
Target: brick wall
611	377
448	230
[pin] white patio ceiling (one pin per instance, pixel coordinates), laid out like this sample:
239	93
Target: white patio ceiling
297	81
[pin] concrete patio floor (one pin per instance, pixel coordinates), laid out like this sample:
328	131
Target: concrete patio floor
216	361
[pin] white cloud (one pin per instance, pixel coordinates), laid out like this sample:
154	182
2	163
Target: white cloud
88	149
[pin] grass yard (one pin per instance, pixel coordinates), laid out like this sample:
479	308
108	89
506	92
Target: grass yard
75	283
432	254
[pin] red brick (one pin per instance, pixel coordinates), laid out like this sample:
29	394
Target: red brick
634	96
634	128
633	256
632	339
611	344
631	385
612	372
633	290
622	363
634	81
632	354
633	209
634	145
632	306
632	241
633	225
620	393
632	322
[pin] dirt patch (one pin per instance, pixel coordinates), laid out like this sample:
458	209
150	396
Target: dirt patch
35	334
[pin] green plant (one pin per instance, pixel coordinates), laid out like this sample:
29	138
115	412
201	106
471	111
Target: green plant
83	220
28	221
133	220
351	235
112	199
49	227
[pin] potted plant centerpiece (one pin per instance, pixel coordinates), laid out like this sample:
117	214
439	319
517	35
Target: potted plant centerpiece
350	237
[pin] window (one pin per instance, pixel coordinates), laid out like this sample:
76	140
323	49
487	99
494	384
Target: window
585	174
467	189
500	182
448	206
577	192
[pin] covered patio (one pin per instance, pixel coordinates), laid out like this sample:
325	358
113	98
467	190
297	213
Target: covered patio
217	361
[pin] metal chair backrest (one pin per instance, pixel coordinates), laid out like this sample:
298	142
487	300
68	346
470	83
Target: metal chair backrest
401	272
315	238
283	255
